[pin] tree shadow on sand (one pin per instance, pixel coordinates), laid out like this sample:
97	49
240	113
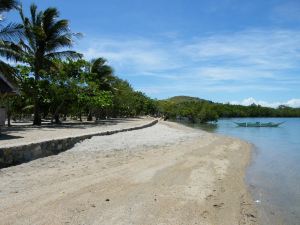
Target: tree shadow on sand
8	137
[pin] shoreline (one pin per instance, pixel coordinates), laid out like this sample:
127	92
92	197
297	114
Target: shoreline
248	209
165	174
18	154
252	154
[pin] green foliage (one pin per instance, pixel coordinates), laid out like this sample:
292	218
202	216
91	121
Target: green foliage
54	82
127	102
199	110
77	88
9	35
44	36
207	113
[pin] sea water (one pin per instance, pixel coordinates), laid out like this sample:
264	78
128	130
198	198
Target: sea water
274	174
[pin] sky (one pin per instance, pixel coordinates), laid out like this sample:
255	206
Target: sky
236	51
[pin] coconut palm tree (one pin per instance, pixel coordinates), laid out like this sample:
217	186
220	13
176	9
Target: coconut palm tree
45	39
9	33
101	73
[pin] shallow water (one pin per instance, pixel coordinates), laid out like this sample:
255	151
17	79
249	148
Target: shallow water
274	175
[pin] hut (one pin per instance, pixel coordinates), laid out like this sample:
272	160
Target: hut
6	88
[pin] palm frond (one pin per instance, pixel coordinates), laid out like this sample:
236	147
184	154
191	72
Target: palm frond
50	16
10	51
6	5
44	37
61	41
25	48
11	32
58	28
64	55
27	25
33	8
7	70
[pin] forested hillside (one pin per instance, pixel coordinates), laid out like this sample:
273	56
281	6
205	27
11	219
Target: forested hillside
199	110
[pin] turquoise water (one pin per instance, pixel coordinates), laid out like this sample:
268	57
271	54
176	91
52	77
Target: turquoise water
274	174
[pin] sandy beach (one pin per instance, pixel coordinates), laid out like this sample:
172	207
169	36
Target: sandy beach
167	174
24	133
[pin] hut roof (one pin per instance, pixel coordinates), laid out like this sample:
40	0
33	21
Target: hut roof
6	87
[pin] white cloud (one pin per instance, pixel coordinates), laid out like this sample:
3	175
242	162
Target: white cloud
264	60
248	54
261	50
293	103
134	55
248	101
231	73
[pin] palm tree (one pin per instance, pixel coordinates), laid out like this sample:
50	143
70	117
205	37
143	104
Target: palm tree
101	73
44	36
9	33
100	77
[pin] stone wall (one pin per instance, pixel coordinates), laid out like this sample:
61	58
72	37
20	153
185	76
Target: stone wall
16	155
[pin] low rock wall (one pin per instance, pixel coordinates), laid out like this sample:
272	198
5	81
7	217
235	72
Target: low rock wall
20	154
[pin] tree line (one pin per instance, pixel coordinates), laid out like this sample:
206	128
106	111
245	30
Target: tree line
55	82
199	110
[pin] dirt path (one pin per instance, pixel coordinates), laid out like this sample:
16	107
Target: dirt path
166	174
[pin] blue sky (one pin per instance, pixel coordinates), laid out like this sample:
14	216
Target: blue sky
234	51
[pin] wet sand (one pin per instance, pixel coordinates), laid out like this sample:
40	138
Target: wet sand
165	174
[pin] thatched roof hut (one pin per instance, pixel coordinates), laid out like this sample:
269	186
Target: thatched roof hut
6	87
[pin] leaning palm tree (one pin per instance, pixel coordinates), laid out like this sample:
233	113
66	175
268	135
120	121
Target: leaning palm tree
44	37
9	33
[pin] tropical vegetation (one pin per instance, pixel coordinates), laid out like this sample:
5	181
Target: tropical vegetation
200	110
9	34
56	82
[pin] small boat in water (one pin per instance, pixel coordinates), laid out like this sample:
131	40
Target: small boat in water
258	124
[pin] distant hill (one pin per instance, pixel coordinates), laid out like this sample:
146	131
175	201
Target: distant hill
179	99
204	110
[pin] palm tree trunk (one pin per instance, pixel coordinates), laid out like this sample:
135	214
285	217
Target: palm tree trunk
56	113
37	115
80	116
8	119
56	119
90	116
8	112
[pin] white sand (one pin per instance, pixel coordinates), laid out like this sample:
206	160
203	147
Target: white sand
159	135
167	174
26	135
